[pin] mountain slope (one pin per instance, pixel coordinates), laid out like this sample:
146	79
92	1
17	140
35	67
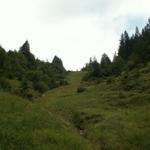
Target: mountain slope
107	114
104	116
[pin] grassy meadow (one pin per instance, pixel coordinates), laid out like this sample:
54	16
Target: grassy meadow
112	114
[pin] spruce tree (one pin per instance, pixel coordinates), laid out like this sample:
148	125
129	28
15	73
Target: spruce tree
125	46
105	65
58	64
25	50
105	60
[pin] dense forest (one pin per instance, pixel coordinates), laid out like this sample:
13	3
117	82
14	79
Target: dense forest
21	73
133	52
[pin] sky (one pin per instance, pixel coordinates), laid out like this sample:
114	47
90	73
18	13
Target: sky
74	30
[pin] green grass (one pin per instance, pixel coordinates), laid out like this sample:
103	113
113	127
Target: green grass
104	117
27	126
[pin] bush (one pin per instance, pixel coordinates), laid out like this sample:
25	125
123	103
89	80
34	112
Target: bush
26	89
63	82
40	87
5	84
81	89
109	80
86	77
130	81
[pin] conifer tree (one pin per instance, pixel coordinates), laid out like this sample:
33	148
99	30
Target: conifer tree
117	64
58	65
105	65
124	47
105	60
2	58
137	33
25	50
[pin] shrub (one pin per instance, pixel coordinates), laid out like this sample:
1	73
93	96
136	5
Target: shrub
109	80
40	87
5	84
26	89
63	82
130	80
81	89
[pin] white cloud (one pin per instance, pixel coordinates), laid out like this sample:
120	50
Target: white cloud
72	29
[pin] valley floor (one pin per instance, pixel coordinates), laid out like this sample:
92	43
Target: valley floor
100	118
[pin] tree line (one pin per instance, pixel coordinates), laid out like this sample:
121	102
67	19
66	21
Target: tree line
133	51
32	75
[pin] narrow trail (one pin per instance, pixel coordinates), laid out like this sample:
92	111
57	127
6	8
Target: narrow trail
74	79
59	103
48	100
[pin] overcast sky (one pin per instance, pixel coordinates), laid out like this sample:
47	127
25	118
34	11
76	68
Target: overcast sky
75	30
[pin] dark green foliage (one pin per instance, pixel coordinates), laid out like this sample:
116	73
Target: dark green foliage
26	89
140	45
58	65
105	65
133	52
34	75
96	70
82	119
117	65
93	69
40	86
15	65
81	89
128	82
131	81
25	50
105	61
5	84
109	80
124	47
2	58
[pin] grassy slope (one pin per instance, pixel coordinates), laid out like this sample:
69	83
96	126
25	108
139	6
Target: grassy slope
26	125
99	118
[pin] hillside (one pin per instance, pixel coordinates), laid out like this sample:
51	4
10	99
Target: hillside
23	74
105	116
33	125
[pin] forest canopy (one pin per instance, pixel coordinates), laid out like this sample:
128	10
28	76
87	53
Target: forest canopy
132	52
31	74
